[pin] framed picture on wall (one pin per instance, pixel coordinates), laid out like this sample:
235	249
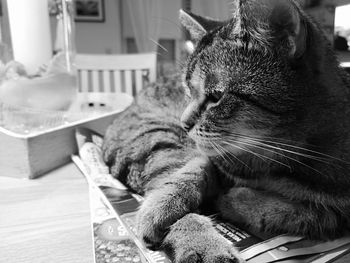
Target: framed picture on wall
89	10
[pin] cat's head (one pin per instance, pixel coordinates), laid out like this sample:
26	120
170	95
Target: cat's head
248	78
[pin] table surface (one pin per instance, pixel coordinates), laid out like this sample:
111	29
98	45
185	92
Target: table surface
46	219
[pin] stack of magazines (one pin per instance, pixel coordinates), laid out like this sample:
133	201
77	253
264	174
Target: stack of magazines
113	212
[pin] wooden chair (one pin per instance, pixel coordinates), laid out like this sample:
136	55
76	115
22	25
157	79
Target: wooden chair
127	73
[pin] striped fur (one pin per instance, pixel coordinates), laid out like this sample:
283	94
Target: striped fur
147	140
268	135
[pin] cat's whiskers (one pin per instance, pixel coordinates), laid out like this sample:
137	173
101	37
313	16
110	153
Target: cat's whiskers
328	161
158	44
286	150
324	156
278	153
222	126
244	149
211	138
310	154
220	153
236	140
234	156
223	153
179	63
261	156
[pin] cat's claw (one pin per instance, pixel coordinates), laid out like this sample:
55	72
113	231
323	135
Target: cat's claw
193	239
189	257
193	257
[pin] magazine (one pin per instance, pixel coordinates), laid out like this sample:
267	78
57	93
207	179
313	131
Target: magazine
112	241
113	211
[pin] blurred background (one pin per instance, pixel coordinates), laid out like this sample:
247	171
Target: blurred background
131	26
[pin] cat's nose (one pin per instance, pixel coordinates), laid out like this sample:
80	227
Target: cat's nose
187	127
187	121
191	114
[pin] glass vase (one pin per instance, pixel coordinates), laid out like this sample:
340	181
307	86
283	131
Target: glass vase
38	83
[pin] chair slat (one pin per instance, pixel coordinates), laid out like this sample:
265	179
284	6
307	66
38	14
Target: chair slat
152	75
139	80
84	81
128	82
107	87
79	80
114	73
95	81
117	81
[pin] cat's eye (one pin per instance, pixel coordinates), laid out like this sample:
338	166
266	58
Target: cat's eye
215	96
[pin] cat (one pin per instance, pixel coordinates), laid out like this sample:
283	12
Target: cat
258	131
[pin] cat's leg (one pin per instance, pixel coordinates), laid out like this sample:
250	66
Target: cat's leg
264	212
172	197
193	239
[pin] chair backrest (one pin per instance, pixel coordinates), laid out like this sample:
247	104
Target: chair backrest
127	73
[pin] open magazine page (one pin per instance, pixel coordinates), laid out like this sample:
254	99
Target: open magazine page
282	248
110	196
112	242
122	205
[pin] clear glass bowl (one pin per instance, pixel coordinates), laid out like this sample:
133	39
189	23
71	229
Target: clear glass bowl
26	120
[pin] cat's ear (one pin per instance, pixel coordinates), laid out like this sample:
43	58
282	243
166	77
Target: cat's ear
198	26
288	26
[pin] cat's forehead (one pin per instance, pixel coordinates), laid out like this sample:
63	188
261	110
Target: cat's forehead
224	65
247	38
219	59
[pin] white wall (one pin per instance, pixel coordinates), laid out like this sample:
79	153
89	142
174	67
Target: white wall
218	9
101	37
170	26
107	37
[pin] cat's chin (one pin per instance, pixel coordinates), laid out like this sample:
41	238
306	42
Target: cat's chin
208	151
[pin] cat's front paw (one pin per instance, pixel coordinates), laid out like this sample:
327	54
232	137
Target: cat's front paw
156	215
151	227
193	239
222	254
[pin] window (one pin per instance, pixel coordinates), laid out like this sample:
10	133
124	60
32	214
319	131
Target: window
166	58
342	28
131	45
166	49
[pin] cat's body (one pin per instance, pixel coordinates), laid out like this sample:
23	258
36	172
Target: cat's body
269	135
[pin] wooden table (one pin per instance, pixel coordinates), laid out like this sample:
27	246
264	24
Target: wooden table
46	219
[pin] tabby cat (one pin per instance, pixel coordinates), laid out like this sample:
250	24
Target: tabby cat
263	137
